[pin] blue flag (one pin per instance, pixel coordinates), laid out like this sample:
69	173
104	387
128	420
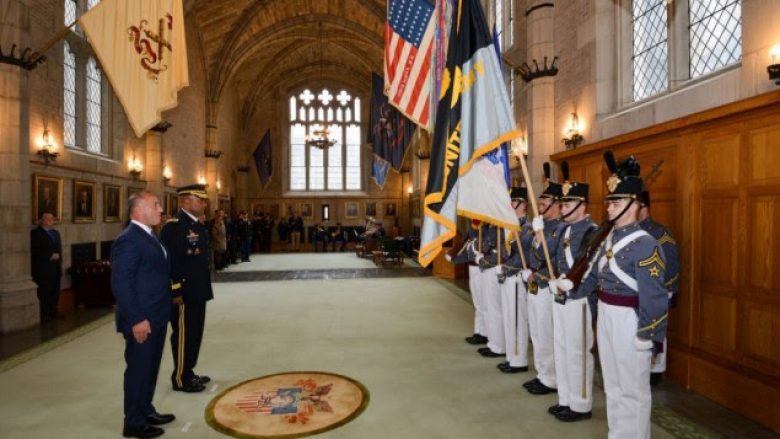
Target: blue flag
389	131
263	161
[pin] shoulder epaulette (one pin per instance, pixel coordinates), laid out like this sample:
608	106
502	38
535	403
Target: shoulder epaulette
172	220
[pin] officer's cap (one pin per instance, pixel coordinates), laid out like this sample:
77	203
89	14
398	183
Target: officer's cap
572	190
551	189
518	193
625	181
196	190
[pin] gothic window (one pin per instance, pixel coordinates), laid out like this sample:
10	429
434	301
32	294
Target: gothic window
71	6
715	30
69	97
94	113
650	61
334	168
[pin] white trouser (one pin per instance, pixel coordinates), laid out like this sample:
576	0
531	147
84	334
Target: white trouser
515	313
659	362
493	317
626	371
573	335
478	298
540	327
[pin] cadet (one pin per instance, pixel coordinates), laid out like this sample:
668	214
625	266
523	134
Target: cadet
665	239
187	242
540	299
513	290
493	246
628	272
573	333
468	253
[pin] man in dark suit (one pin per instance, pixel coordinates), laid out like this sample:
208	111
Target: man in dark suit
140	280
46	263
188	243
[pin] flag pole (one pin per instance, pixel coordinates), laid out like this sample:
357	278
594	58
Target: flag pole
535	210
54	40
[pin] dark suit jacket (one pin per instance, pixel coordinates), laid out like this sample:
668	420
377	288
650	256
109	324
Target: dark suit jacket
140	279
41	248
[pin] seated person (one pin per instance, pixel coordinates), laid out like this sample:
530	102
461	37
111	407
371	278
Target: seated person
339	235
320	237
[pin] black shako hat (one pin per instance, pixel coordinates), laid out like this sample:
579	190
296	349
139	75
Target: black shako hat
572	190
625	181
551	188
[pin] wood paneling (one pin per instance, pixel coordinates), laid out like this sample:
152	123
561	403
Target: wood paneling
719	192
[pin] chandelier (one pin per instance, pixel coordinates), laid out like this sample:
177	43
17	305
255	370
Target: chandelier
319	138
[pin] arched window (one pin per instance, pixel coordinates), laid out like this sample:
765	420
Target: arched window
334	168
69	96
94	133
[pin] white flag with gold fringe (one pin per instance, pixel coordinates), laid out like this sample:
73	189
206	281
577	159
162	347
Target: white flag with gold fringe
143	51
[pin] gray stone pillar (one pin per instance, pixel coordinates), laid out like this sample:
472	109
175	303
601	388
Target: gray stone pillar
540	91
18	299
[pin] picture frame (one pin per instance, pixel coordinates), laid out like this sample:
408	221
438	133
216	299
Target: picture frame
112	203
391	209
258	208
84	201
290	208
47	196
171	203
350	209
370	209
307	210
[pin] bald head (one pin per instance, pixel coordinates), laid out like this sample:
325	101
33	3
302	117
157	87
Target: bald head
145	208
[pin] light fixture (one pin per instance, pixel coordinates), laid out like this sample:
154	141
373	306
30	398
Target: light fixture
319	136
135	167
219	185
519	148
774	68
167	174
46	149
409	190
572	137
202	180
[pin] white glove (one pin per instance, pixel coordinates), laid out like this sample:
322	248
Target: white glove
525	274
479	257
565	284
448	257
553	285
499	270
642	344
538	224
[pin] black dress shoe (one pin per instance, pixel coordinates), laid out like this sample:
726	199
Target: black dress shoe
540	389
203	379
555	409
190	387
570	415
533	382
503	365
159	418
513	369
146	431
476	339
486	352
655	378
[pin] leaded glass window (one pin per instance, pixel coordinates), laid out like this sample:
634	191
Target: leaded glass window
715	29
71	6
94	78
69	96
499	21
92	3
650	61
336	168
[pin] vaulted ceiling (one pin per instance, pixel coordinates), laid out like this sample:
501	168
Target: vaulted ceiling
270	46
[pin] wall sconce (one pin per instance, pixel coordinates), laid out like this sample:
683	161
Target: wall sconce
409	190
572	137
135	168
774	68
201	180
167	174
519	148
46	149
219	185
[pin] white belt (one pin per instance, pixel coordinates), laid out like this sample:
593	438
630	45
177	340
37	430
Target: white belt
567	247
612	258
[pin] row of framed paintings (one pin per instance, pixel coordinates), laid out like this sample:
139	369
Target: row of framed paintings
47	196
352	209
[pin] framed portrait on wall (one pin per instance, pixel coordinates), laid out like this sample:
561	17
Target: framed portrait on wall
84	198
371	208
390	209
307	210
47	197
112	203
171	203
350	209
258	209
290	208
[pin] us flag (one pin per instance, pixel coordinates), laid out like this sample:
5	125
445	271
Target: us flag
408	44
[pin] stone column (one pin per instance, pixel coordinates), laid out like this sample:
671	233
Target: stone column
212	169
153	166
540	91
18	299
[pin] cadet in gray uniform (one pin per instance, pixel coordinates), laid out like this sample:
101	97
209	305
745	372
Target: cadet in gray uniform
513	290
468	254
573	331
492	244
540	299
628	273
665	239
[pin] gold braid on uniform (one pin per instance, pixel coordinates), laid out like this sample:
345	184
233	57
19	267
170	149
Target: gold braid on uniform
655	323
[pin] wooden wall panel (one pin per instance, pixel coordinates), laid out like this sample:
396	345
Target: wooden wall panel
719	192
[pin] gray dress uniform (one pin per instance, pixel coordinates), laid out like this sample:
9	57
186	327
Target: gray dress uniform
468	254
514	304
492	243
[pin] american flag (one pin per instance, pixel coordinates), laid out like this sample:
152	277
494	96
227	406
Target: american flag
409	35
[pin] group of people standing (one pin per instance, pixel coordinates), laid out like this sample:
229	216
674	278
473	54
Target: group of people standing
558	275
234	238
157	281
